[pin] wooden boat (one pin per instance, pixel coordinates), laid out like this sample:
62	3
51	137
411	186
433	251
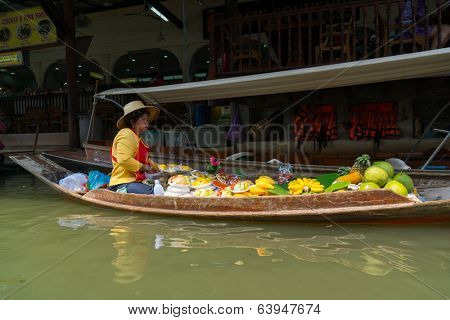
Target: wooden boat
376	206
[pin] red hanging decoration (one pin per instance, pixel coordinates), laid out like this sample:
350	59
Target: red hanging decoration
374	121
315	123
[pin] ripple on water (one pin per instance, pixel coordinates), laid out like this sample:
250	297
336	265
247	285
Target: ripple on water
355	251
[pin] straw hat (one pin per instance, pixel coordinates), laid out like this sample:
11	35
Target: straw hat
153	112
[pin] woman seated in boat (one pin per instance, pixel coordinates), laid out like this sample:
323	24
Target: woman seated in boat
129	154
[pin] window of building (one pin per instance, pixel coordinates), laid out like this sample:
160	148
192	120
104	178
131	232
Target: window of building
17	79
56	76
148	68
200	64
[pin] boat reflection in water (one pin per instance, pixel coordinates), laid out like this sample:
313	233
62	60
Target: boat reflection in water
135	237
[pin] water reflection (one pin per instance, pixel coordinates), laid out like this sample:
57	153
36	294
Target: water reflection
132	254
134	239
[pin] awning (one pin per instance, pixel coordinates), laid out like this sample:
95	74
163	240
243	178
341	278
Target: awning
406	66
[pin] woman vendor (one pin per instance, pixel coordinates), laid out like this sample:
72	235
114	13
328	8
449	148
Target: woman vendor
129	154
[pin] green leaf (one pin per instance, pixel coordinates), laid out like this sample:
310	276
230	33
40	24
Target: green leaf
327	179
285	186
337	186
278	190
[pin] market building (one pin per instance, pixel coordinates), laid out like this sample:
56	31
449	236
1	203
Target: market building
124	43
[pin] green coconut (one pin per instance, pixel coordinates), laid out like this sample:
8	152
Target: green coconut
397	188
386	166
368	186
376	175
405	180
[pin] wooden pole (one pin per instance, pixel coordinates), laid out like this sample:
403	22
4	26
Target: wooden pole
71	60
90	135
186	71
212	46
36	137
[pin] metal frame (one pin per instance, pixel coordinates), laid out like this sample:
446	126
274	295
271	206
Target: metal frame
436	151
94	106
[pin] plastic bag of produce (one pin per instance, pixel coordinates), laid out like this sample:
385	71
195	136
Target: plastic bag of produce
285	173
75	182
97	180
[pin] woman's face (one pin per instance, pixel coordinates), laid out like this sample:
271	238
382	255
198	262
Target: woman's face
141	124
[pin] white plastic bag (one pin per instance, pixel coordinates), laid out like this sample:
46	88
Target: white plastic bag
75	182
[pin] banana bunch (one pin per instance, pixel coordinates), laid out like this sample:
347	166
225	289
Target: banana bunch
258	191
262	184
265	182
305	185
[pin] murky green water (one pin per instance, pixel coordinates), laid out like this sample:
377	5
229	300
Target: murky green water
54	248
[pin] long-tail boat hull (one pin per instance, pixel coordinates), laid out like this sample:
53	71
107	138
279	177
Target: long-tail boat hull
376	206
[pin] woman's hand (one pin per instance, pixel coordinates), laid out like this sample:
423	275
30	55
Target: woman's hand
154	165
146	168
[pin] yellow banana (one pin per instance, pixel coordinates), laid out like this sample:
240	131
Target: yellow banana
296	187
263	184
268	179
257	191
305	185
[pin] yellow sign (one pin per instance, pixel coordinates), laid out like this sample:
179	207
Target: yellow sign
25	28
96	75
129	80
9	59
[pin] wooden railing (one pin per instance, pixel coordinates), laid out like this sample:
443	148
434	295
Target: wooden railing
23	112
326	34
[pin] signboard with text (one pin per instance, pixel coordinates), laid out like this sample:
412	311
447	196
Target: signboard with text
25	28
10	59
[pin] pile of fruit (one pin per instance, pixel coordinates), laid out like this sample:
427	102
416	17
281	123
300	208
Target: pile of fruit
174	168
201	182
305	185
180	180
363	175
240	186
205	193
262	186
380	174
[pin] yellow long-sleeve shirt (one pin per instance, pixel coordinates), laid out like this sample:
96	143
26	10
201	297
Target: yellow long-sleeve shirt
124	149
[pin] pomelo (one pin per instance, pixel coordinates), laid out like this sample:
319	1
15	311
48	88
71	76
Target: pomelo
386	166
397	188
405	180
376	175
368	186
